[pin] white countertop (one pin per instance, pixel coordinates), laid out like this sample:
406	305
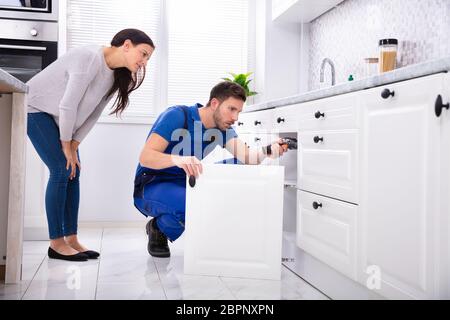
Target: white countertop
10	84
406	73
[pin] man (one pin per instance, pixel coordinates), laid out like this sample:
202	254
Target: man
160	184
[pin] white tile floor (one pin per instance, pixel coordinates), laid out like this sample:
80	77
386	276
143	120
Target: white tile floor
126	271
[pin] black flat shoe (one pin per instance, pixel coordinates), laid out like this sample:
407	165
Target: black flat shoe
91	254
73	257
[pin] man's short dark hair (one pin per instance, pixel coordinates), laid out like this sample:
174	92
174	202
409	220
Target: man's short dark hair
227	89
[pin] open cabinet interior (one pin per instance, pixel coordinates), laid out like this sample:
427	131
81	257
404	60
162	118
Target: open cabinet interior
289	161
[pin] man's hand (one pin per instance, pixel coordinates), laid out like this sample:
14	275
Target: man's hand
278	148
191	165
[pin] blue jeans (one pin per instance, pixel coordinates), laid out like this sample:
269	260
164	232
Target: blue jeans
62	196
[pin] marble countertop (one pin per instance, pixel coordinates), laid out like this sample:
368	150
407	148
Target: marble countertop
406	73
9	84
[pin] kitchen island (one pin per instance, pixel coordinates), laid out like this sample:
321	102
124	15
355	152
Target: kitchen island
13	124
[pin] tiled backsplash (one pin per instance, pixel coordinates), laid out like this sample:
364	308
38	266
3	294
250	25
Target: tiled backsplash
350	33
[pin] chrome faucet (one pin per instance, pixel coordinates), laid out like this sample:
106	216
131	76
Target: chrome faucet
333	71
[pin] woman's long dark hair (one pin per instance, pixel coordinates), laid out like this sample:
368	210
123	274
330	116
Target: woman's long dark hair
124	81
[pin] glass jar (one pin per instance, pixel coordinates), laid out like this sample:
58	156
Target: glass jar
388	54
371	67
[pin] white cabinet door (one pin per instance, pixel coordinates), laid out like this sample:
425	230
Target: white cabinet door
328	163
400	187
234	219
326	229
444	219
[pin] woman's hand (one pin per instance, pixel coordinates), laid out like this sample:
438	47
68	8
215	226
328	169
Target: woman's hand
74	146
191	165
68	153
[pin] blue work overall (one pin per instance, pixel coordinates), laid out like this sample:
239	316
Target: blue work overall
162	193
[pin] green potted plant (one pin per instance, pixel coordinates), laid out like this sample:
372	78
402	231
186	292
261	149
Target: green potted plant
242	79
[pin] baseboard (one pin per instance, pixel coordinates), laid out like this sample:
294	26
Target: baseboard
111	224
321	276
37	232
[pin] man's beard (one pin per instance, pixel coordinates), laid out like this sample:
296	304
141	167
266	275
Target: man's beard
218	120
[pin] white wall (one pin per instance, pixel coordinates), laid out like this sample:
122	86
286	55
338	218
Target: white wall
110	153
109	156
281	55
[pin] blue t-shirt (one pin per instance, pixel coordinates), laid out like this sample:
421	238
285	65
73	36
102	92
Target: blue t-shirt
195	141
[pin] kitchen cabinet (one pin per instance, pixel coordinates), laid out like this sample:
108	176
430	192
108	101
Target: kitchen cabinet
254	122
401	209
334	113
444	218
328	177
300	11
328	163
326	229
234	219
285	120
373	187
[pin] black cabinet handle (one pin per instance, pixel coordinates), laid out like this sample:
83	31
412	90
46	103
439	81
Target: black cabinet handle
317	139
257	122
318	115
317	205
192	181
257	139
440	105
280	120
240	124
386	93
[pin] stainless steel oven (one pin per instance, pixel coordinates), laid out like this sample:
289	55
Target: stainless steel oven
27	47
29	9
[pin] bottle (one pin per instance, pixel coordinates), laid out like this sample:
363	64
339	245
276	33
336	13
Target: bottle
350	78
371	67
388	54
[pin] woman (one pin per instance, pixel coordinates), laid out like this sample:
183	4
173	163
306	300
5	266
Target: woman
65	101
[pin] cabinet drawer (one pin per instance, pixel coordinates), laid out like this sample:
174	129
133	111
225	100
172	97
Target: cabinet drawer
259	121
340	112
285	119
330	166
328	232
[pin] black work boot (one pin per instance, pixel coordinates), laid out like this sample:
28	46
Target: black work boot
157	241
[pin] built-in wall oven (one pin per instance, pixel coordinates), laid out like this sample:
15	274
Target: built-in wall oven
27	47
29	9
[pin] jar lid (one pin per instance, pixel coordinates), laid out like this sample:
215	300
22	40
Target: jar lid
388	41
371	60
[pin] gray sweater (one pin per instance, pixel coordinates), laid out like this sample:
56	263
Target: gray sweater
73	90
